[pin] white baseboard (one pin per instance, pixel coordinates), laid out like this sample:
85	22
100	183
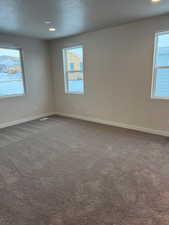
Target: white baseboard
116	124
90	119
12	123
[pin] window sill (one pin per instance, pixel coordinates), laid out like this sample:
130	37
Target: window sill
12	96
74	93
159	98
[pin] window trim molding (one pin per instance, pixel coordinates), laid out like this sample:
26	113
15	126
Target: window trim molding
66	89
23	72
154	69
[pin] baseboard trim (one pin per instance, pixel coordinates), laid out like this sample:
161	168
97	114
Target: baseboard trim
90	119
24	120
115	124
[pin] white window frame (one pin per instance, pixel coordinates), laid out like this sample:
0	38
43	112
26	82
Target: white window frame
155	68
22	69
67	71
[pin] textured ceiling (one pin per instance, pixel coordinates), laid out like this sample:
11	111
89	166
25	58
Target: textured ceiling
69	17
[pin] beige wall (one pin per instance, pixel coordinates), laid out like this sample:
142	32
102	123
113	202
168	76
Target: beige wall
38	99
118	71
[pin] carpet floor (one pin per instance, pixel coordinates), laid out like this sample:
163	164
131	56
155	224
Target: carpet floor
70	172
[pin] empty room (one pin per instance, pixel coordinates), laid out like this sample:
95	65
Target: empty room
84	112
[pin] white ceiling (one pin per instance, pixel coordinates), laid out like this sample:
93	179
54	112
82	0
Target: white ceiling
69	17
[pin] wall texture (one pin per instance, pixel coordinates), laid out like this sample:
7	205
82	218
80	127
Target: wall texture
39	96
118	74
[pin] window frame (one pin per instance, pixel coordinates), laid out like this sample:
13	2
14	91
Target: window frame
66	86
155	68
22	69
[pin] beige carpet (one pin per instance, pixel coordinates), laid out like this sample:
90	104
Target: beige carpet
69	172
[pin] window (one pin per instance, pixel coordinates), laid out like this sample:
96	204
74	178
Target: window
73	70
160	87
11	72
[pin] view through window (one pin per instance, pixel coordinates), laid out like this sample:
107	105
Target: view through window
161	66
73	69
11	73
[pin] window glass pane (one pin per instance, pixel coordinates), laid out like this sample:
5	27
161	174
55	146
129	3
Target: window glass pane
75	82
162	83
11	77
72	67
74	58
81	67
162	55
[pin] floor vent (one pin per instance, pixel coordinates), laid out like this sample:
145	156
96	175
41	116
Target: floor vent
44	119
